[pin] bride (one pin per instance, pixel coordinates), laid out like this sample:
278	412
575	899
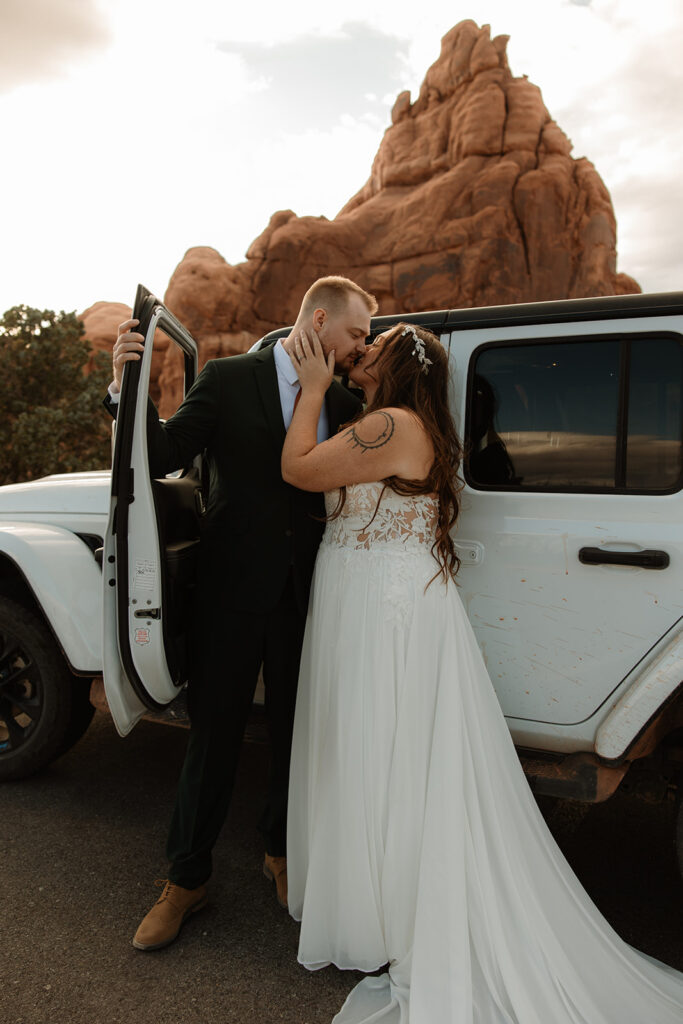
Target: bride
414	843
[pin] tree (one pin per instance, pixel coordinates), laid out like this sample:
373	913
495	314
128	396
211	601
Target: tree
51	416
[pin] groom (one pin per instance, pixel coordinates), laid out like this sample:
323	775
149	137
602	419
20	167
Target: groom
259	540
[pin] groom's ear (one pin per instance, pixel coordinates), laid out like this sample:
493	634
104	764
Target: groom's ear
319	318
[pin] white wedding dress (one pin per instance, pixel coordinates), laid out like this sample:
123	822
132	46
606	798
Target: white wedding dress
413	838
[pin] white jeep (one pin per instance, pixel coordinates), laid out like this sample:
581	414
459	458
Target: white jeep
570	535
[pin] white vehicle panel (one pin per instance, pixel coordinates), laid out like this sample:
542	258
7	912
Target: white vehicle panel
125	707
144	576
658	679
139	624
66	581
559	636
83	494
145	634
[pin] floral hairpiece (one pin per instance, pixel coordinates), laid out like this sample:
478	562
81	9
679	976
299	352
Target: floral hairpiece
419	349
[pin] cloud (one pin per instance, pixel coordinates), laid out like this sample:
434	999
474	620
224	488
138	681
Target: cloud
650	226
312	81
214	140
39	38
626	121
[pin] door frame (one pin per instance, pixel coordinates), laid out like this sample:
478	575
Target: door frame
151	314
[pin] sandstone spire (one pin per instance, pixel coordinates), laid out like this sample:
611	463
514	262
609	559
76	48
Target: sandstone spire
473	199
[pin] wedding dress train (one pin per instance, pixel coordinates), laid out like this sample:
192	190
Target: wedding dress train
413	837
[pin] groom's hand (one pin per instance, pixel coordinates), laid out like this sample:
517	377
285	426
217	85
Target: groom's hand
128	346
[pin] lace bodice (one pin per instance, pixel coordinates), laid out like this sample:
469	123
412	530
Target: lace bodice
401	523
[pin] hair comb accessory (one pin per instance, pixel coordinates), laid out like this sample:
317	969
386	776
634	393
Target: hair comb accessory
419	349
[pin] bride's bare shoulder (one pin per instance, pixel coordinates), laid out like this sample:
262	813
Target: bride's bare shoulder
400	429
390	422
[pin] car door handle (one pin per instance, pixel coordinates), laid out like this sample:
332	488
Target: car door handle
648	559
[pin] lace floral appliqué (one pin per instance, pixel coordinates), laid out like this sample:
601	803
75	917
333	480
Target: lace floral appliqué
406	522
397	535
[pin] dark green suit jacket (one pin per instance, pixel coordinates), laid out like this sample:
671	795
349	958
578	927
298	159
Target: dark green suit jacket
256	526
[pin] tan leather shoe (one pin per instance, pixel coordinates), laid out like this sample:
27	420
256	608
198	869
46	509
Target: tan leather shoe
275	868
162	924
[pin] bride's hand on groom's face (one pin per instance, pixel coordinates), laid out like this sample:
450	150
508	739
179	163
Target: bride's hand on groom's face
314	369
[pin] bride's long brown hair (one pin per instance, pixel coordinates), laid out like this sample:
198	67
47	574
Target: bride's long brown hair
403	383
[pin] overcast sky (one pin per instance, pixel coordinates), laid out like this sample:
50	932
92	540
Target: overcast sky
134	129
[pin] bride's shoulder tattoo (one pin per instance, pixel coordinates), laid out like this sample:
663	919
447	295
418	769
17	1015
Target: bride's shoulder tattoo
361	435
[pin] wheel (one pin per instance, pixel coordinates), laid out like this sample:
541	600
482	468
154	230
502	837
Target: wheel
40	711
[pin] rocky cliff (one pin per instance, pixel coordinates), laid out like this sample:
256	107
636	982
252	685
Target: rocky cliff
473	199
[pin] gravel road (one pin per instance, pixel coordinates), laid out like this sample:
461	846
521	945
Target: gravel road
81	844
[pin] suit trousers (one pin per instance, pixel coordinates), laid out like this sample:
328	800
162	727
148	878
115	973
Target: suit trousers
229	651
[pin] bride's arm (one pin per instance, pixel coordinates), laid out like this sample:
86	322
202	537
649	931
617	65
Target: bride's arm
383	443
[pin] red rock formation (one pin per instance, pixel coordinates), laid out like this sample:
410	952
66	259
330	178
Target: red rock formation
101	322
473	199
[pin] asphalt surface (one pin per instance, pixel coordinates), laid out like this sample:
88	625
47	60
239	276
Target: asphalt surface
81	843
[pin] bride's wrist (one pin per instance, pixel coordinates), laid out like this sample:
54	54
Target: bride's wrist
310	391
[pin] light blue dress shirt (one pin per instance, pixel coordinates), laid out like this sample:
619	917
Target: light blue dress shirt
288	384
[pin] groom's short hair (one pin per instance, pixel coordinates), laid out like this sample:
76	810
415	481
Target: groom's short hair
332	294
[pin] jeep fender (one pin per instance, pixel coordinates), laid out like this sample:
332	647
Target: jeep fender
66	581
653	688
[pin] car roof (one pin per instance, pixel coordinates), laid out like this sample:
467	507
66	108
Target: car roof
601	307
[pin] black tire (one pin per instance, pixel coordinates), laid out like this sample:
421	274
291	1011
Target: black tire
37	706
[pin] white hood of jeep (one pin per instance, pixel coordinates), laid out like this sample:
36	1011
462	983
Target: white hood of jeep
79	493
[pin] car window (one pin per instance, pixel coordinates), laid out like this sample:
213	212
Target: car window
655	411
602	414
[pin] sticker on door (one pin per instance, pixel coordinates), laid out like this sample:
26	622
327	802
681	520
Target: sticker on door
145	574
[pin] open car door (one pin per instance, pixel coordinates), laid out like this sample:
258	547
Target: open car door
150	546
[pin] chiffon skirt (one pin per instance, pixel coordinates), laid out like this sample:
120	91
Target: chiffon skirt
413	838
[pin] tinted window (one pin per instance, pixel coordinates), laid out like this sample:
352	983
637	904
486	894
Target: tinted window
553	415
655	410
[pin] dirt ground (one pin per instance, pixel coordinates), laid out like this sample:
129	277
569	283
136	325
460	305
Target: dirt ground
81	844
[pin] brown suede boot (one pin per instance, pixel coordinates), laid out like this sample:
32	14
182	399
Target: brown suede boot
275	868
162	924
